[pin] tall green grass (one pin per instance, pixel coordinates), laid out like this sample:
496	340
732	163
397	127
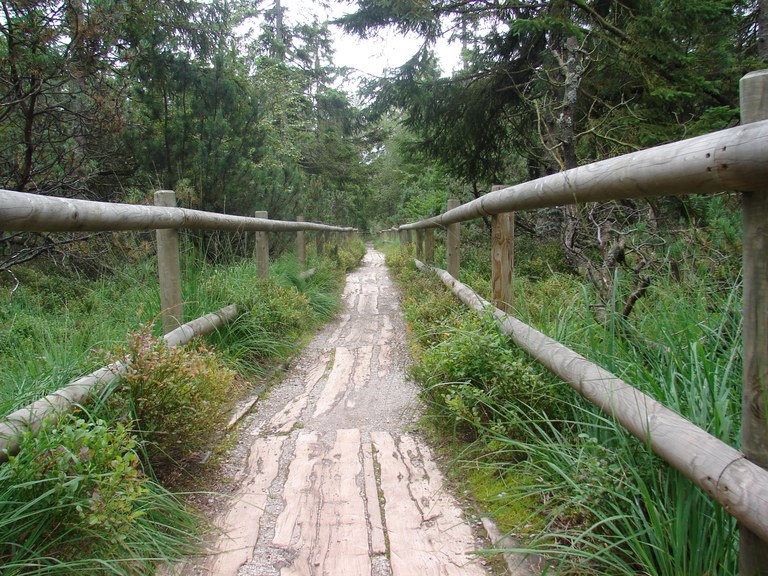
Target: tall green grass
82	496
606	503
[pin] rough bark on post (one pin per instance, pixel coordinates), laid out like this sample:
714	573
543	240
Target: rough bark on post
753	552
320	243
168	269
452	243
301	246
420	244
429	245
262	248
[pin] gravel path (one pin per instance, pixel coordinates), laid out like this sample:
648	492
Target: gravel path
326	478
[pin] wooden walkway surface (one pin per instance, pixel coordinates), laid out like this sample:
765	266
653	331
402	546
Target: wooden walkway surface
329	481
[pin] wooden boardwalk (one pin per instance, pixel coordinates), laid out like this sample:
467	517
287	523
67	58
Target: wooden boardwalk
328	480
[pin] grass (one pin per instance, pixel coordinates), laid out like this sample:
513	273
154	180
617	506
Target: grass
599	501
82	495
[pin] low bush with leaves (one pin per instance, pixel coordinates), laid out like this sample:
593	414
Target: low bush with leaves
75	499
179	398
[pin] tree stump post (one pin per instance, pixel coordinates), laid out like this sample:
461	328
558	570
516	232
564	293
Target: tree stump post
453	242
168	268
502	257
262	247
753	552
301	246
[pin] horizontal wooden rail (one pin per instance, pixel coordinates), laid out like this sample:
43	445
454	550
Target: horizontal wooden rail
732	159
723	472
24	212
31	417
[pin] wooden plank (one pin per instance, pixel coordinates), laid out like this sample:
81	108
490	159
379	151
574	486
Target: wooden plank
373	505
240	525
285	420
425	529
753	551
337	382
723	472
324	520
301	245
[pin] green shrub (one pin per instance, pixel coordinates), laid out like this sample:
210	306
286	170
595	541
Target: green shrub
178	397
75	499
473	373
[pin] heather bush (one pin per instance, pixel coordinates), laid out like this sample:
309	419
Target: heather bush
179	398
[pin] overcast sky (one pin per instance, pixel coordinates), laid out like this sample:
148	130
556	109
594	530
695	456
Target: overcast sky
371	57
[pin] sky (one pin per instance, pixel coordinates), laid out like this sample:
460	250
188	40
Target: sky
372	56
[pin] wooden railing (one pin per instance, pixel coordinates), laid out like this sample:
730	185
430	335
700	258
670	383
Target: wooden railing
20	212
730	160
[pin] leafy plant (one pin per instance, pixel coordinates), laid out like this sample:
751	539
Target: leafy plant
75	499
179	398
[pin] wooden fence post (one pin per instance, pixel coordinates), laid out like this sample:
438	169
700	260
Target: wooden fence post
453	242
429	246
262	247
420	244
502	257
319	243
169	269
301	246
753	552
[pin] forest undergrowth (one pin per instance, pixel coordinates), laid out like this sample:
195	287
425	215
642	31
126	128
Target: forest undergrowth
566	480
103	490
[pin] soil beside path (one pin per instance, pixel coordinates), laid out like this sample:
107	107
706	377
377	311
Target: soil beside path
327	478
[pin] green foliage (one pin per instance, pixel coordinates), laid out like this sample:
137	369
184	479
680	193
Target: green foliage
178	398
75	500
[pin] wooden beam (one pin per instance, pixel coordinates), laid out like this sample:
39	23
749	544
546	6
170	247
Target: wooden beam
301	245
21	211
262	247
429	246
753	551
732	159
453	243
502	257
169	269
420	244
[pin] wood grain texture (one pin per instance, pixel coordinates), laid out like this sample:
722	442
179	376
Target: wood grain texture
502	259
426	532
240	525
453	243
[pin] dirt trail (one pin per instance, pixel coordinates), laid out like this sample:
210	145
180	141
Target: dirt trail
328	481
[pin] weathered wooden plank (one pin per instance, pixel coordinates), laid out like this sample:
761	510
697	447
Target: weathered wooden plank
324	520
425	528
301	244
240	525
285	420
723	472
337	382
372	502
732	159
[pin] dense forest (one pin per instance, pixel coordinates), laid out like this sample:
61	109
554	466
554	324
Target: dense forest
238	106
